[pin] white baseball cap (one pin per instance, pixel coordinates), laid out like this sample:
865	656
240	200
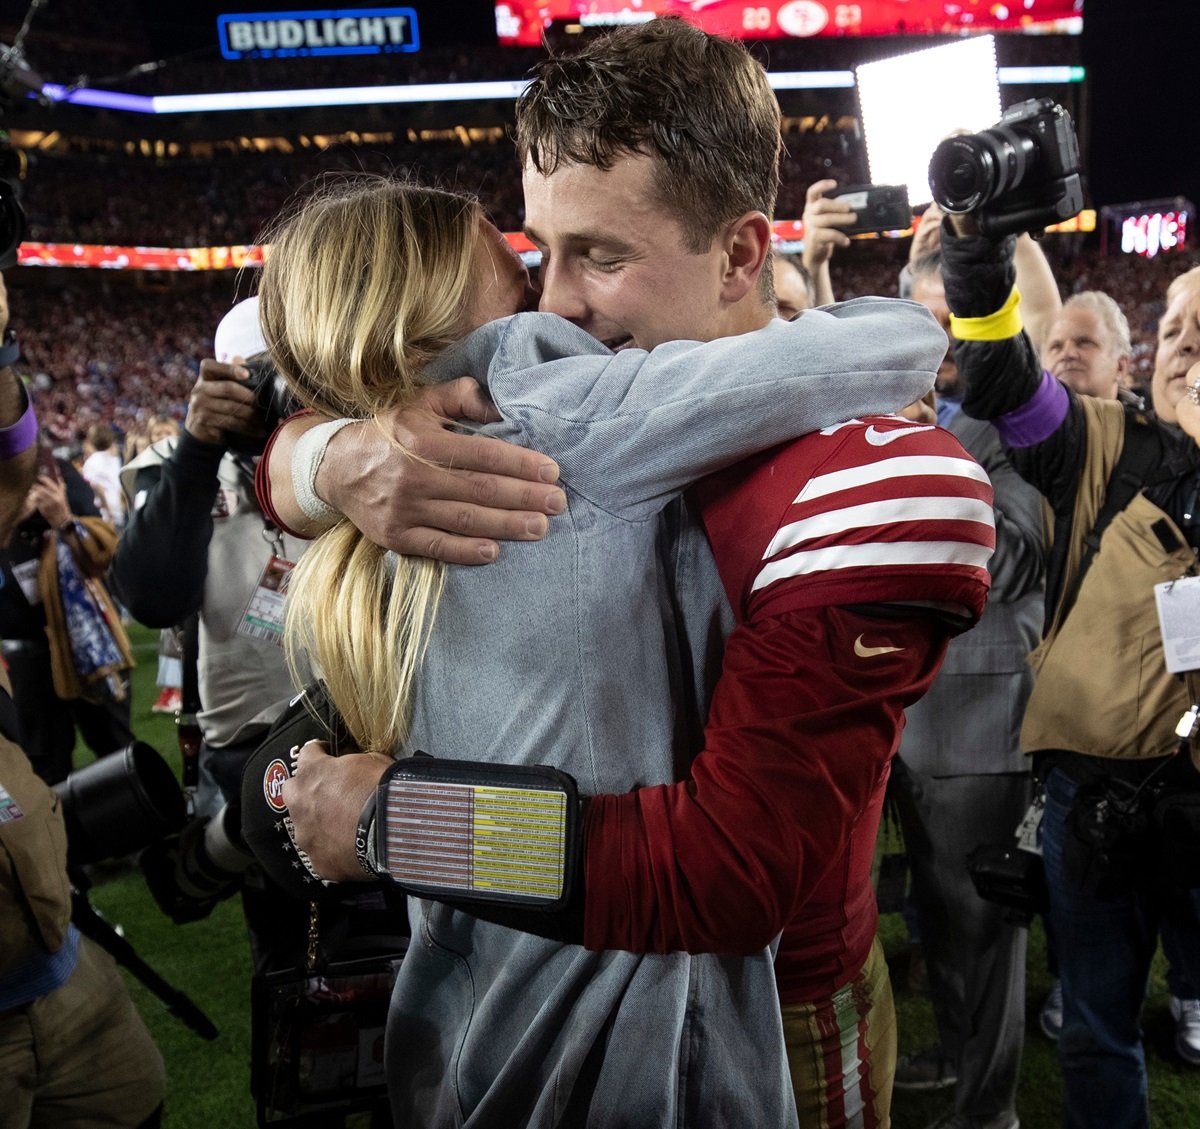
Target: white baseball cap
239	334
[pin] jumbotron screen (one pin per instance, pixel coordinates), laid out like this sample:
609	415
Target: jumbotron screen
521	22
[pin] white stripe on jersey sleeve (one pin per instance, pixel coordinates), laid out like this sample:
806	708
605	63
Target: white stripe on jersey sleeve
888	511
878	554
881	470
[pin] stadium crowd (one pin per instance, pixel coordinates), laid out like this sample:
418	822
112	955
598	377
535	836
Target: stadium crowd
88	368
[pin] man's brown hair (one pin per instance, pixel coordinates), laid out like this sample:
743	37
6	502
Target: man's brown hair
700	104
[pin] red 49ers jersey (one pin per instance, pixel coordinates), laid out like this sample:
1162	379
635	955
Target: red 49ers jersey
874	510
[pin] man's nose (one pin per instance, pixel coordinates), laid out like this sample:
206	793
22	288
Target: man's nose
560	293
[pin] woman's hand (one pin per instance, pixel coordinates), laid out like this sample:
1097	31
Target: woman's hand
48	496
325	796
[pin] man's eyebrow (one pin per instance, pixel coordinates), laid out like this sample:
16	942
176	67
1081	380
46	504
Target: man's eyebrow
585	239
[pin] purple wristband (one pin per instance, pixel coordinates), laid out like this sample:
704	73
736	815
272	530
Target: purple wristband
21	435
1038	418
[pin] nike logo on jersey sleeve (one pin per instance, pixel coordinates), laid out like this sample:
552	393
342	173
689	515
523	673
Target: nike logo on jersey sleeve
882	438
865	652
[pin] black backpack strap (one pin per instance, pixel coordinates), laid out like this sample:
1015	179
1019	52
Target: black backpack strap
1141	451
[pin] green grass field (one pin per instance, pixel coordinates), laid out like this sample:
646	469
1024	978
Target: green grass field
209	960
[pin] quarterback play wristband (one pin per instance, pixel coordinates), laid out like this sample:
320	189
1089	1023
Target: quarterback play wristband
470	831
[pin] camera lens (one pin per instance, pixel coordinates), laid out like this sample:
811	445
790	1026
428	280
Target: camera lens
962	173
966	172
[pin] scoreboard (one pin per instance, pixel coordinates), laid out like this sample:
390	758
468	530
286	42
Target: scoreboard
522	22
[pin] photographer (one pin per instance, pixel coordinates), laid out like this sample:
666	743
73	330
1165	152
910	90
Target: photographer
1102	718
73	1050
196	541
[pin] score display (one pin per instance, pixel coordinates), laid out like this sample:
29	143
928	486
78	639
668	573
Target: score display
521	22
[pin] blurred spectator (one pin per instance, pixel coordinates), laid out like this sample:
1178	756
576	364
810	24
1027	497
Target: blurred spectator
793	286
1088	347
101	470
52	509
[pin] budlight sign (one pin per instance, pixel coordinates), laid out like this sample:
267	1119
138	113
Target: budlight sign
348	31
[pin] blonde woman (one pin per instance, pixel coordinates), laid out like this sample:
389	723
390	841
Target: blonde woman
574	652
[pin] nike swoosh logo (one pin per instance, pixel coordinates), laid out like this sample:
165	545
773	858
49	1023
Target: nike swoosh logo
882	438
869	652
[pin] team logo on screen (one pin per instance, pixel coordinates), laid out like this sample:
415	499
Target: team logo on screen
803	18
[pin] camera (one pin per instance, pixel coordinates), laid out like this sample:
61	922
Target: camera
119	804
1020	175
131	802
189	873
879	207
1012	877
12	215
273	399
1110	841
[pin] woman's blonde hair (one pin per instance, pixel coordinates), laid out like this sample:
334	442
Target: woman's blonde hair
365	282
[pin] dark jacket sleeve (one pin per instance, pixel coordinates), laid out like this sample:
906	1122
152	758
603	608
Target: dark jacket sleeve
81	498
1018	565
1038	418
161	563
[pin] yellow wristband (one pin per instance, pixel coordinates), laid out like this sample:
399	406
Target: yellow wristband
1004	323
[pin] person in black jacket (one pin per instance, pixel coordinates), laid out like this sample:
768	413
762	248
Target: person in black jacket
196	541
1101	721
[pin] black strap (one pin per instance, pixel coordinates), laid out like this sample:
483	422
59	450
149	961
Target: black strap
189	647
1139	454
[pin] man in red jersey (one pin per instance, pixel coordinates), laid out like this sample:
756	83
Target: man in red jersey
849	558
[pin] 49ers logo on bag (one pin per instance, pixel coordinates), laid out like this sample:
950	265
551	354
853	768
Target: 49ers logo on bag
273	778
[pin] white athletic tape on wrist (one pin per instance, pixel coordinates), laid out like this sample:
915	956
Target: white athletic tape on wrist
307	456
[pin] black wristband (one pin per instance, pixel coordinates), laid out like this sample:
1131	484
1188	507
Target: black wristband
362	834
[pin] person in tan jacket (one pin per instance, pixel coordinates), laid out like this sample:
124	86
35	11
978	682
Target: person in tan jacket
73	1050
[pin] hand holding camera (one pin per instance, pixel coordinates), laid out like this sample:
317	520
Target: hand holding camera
1018	176
223	403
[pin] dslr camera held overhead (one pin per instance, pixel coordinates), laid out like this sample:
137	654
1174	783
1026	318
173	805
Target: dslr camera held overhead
1020	175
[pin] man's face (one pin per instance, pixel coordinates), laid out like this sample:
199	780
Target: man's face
791	291
1178	350
615	263
931	293
1082	353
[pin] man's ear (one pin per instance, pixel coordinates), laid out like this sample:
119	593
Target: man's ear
747	243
